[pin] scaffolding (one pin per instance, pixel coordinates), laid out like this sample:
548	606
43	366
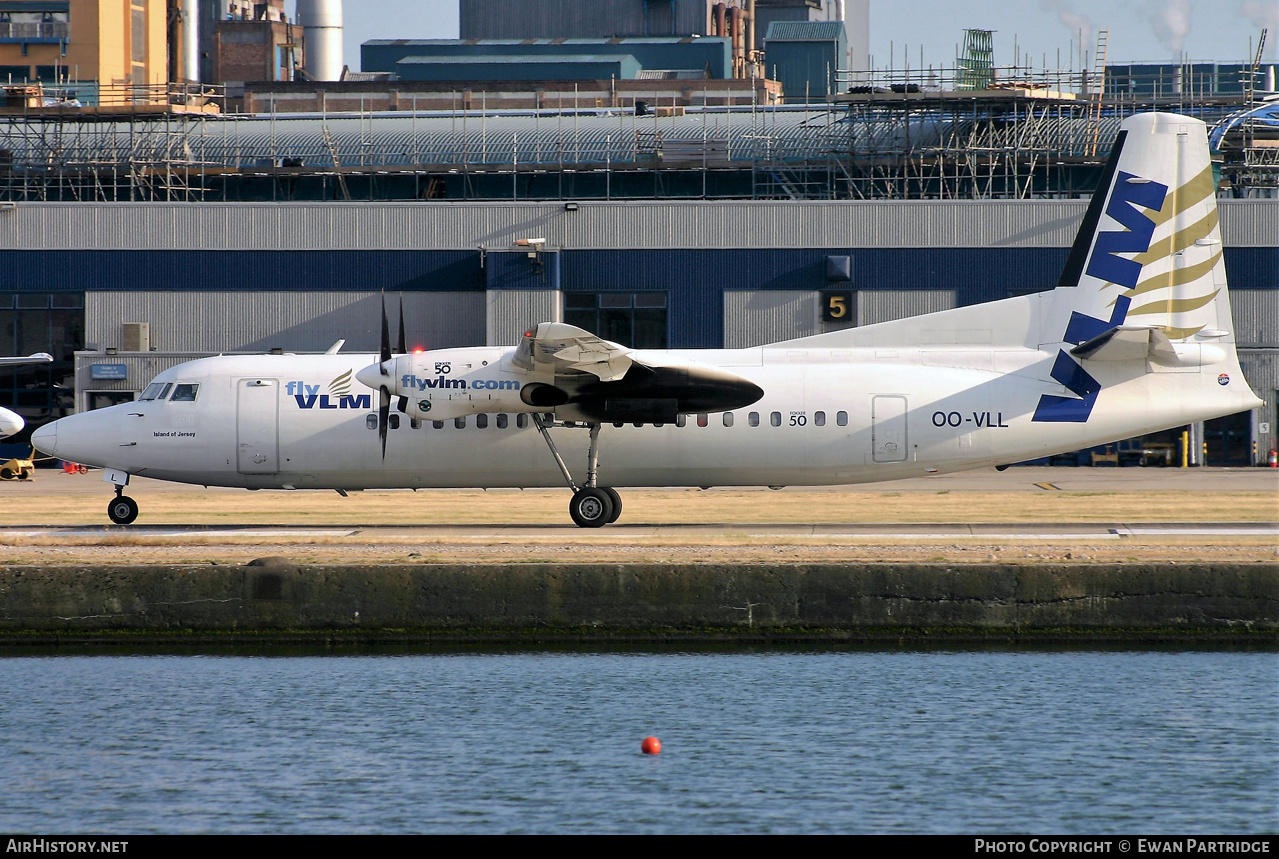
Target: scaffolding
894	134
132	143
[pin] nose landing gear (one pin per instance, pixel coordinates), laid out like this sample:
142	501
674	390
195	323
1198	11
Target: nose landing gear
122	510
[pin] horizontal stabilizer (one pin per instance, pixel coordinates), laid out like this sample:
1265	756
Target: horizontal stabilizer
1128	343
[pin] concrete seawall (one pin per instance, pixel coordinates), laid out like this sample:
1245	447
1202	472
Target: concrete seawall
278	599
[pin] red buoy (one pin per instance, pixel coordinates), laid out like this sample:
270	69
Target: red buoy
651	746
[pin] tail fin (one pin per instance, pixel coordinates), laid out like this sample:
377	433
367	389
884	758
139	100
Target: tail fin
1148	253
1144	288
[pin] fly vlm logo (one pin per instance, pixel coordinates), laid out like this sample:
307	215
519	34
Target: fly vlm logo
413	382
338	397
1130	192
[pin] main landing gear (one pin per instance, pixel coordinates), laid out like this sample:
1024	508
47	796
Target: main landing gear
122	510
592	506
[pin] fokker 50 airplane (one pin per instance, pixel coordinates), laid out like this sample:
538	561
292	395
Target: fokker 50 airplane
1136	337
11	422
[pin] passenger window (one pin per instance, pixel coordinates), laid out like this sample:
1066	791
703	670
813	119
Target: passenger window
819	419
728	419
753	419
437	424
702	420
841	418
394	422
681	420
481	421
370	421
619	424
501	421
415	423
521	421
775	419
156	391
460	423
184	394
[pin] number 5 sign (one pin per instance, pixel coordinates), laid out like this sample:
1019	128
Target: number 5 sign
838	305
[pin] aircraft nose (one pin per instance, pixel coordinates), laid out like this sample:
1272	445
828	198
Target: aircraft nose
10	422
45	438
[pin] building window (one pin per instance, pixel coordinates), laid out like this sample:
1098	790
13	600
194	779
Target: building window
634	319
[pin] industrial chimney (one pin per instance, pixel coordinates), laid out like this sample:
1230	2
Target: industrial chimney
321	22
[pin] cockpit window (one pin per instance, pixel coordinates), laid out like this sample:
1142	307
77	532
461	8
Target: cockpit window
184	394
156	391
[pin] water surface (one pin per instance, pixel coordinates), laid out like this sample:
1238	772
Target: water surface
1064	742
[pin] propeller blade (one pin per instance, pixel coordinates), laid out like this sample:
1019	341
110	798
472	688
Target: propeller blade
385	354
401	403
383	415
400	348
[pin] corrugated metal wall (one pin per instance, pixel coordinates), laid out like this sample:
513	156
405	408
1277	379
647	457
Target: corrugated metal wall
753	317
573	19
595	225
510	312
234	270
1261	368
883	305
1255	313
293	321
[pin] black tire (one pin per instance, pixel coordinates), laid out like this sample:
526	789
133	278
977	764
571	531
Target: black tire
591	508
6	474
617	503
122	510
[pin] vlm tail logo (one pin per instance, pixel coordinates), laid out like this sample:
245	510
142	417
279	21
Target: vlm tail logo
338	397
1130	192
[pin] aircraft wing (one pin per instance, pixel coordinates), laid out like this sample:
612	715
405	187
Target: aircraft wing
37	358
559	348
594	379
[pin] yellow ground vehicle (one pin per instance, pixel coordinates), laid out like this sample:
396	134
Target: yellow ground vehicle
17	469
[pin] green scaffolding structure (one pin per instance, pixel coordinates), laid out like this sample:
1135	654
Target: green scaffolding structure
978	61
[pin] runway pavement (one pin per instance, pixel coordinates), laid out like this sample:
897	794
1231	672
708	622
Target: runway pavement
1020	514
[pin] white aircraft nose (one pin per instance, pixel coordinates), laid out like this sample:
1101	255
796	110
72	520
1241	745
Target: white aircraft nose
10	423
45	438
373	378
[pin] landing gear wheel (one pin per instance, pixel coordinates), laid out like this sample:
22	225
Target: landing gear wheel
617	503
591	508
122	510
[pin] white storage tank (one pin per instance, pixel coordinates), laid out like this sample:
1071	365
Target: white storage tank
321	22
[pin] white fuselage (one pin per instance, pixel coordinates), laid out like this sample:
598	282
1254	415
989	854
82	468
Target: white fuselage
828	416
